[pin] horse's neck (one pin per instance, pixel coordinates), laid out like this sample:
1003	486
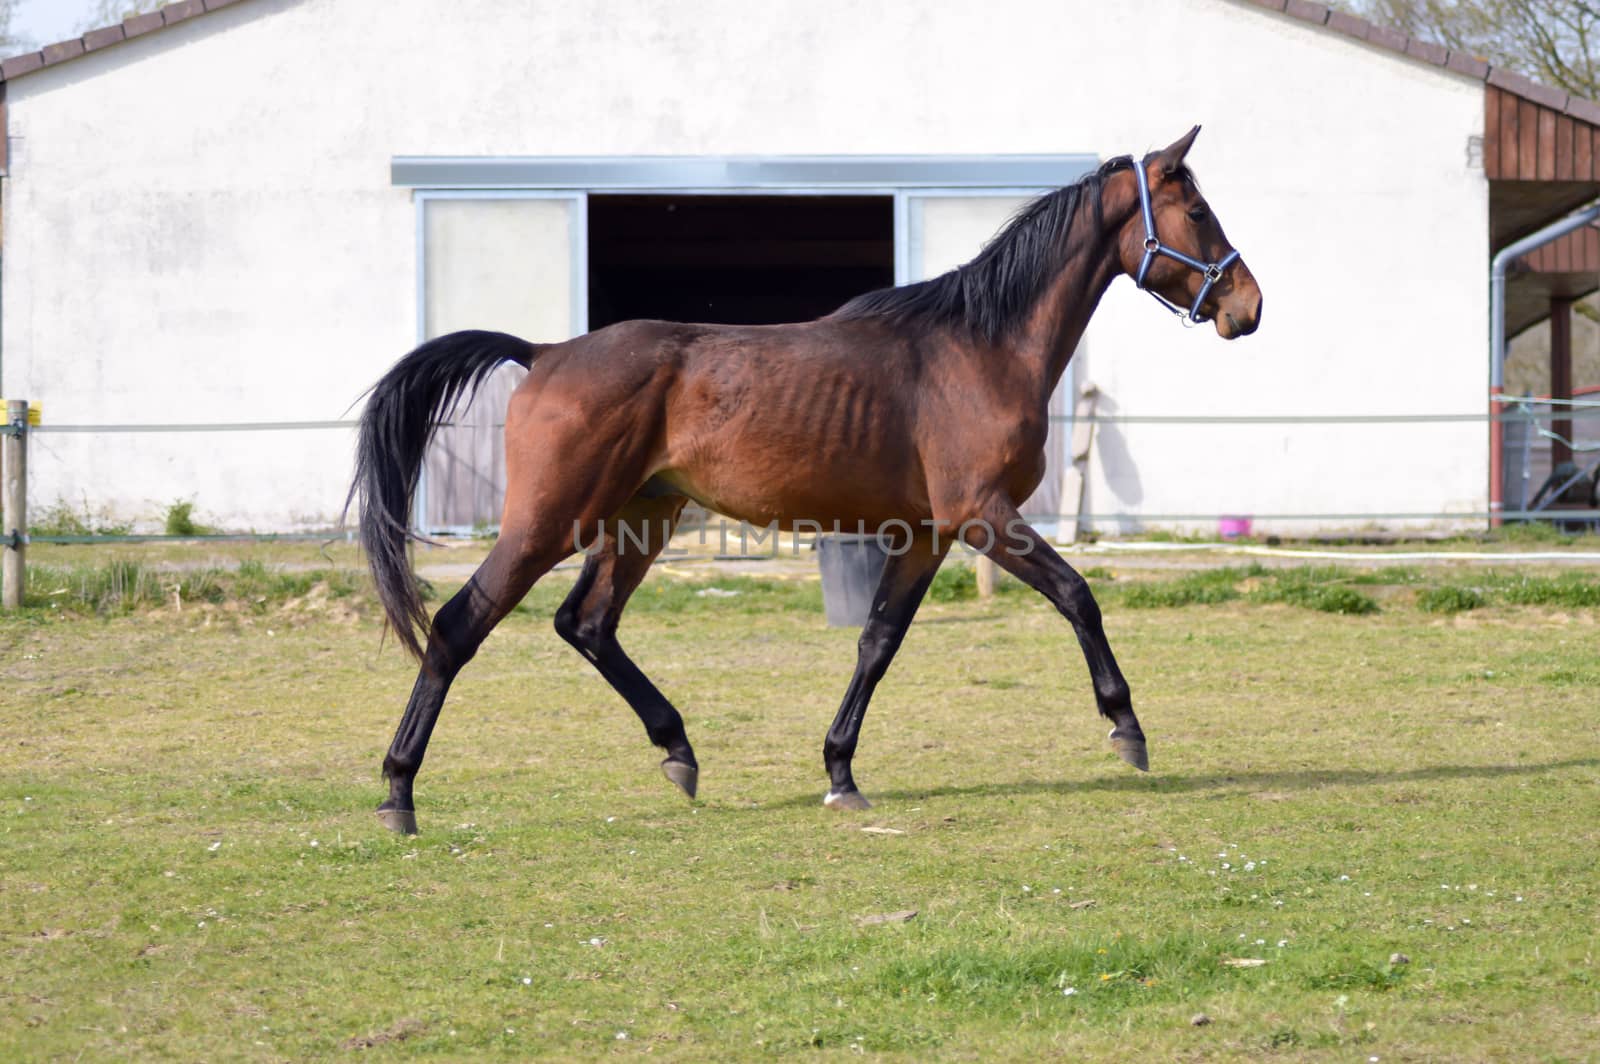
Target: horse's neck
1067	304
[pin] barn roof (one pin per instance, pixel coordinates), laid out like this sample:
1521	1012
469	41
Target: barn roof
1541	144
106	36
1457	62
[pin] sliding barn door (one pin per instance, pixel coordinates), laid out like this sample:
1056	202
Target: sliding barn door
510	263
942	231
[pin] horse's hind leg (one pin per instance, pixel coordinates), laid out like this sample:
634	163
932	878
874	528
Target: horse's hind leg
458	629
589	616
905	580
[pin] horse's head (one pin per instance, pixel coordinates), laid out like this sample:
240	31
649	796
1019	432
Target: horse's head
1173	246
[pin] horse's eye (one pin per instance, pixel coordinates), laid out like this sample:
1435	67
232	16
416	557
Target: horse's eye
1198	214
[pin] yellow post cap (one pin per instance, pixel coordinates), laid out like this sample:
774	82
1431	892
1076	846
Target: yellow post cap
35	413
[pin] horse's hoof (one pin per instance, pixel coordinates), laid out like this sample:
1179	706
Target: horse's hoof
853	800
1133	751
401	821
685	775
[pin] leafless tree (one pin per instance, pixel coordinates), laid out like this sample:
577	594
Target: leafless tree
1553	41
10	43
110	12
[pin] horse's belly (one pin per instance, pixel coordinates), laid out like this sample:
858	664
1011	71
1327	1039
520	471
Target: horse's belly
767	477
826	445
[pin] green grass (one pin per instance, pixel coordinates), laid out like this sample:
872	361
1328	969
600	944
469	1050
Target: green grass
191	869
1537	533
1569	589
1337	589
1323	588
673	599
1205	587
124	586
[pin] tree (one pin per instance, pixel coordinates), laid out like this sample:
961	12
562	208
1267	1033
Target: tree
1553	41
110	12
10	43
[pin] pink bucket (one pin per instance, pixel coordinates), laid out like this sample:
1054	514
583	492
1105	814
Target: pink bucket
1233	527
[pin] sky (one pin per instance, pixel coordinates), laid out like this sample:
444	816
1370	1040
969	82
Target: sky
47	21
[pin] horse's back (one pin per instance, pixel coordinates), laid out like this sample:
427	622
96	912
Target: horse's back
813	420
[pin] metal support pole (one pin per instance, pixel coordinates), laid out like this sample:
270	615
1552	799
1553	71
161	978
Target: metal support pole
13	572
1528	429
1497	457
1560	378
1497	327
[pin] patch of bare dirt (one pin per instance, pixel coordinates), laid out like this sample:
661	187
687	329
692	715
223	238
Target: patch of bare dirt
398	1031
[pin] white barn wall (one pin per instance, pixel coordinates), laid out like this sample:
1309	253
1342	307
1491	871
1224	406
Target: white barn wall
199	223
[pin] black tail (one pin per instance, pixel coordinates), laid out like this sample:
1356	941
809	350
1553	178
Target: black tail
411	400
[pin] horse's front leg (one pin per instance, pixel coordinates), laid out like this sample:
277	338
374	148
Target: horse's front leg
1012	544
906	576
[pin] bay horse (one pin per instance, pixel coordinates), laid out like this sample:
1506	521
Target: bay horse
923	406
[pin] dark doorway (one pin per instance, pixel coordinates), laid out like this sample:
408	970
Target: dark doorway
749	260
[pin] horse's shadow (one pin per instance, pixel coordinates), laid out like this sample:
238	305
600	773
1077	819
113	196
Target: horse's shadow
1158	783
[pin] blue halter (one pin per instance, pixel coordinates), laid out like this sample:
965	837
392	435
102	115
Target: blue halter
1153	247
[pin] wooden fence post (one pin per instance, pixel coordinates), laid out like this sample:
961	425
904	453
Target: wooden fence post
13	573
987	572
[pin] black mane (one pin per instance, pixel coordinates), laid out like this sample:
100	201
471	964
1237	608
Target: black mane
992	295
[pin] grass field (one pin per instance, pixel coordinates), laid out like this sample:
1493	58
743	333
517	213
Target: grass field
1367	833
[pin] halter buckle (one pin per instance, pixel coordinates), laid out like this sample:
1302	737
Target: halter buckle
1151	244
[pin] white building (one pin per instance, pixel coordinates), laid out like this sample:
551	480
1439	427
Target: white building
246	210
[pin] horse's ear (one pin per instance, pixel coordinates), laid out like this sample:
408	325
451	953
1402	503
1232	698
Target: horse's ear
1171	157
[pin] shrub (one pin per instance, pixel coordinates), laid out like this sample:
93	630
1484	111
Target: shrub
1449	599
954	583
1345	600
180	519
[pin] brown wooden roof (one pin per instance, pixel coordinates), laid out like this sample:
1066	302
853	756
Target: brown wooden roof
1541	163
1577	252
1524	140
1567	268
